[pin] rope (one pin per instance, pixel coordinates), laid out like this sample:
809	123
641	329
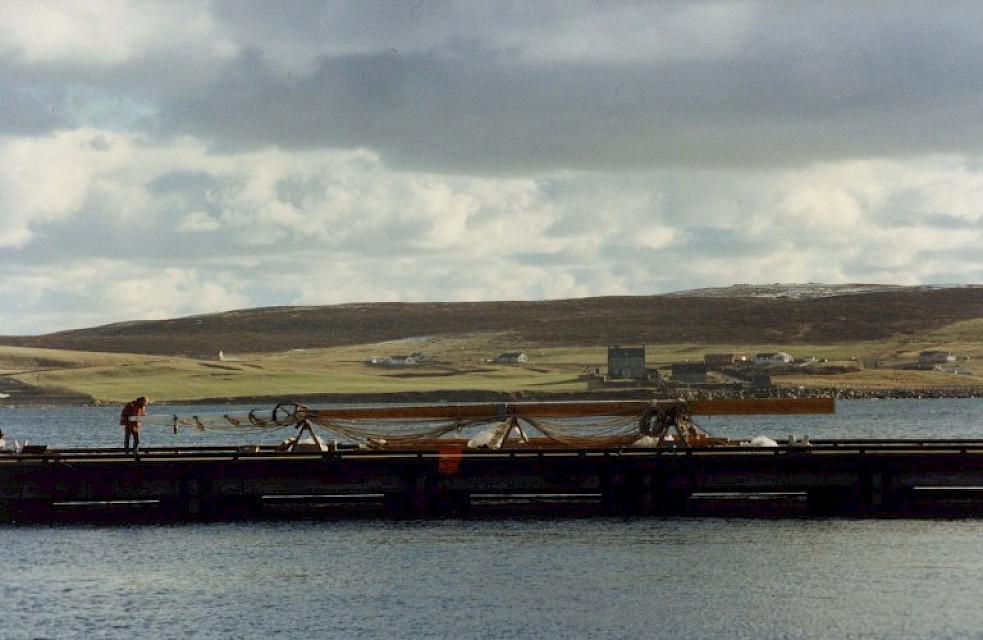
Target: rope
595	431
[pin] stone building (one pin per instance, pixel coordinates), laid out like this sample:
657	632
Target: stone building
627	362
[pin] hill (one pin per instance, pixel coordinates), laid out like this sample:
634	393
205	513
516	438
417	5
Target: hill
775	314
331	354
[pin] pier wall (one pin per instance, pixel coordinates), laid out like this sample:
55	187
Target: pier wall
845	478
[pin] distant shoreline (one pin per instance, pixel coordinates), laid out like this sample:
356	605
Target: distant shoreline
474	396
430	397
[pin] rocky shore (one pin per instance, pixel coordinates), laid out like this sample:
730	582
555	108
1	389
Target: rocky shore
30	396
858	394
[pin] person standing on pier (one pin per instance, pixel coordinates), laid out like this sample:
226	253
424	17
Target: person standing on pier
130	421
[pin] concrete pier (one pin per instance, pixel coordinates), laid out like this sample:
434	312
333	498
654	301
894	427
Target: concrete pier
872	478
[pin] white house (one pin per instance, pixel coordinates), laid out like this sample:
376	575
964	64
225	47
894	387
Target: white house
773	357
512	357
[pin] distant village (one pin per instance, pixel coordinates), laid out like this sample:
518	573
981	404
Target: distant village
628	365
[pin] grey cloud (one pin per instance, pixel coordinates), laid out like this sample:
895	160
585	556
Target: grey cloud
946	222
715	243
26	107
809	86
565	258
184	182
437	87
296	190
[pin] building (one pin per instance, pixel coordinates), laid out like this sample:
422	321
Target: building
627	362
934	357
716	361
689	372
772	358
512	357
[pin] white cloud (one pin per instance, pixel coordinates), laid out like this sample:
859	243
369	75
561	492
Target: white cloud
48	179
222	155
190	232
100	32
101	290
149	294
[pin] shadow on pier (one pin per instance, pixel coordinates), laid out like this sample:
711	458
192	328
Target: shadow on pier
863	478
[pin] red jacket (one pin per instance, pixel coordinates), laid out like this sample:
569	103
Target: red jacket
131	409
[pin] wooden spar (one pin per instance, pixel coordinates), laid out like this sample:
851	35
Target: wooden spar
761	406
485	410
753	406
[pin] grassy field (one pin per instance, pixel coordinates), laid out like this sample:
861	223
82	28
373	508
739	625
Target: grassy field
459	362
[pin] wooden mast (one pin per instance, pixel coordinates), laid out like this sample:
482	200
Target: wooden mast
587	408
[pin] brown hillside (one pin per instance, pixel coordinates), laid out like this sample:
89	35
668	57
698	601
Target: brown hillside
586	321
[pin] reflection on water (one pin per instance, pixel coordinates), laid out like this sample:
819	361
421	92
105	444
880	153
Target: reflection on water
808	578
511	578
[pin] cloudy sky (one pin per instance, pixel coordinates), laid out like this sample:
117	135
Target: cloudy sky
164	159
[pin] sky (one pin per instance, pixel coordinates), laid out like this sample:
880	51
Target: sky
168	159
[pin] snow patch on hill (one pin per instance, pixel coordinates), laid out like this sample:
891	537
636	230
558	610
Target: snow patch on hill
800	291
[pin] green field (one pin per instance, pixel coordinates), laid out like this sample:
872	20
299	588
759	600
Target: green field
454	363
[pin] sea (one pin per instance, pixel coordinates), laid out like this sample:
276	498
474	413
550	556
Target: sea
518	577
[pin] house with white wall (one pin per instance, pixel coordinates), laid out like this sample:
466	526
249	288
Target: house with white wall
772	358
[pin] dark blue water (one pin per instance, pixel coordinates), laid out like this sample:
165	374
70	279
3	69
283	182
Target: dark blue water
98	426
514	578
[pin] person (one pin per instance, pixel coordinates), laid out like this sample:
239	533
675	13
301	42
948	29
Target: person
3	441
129	420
